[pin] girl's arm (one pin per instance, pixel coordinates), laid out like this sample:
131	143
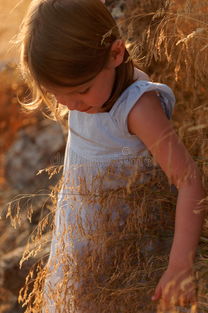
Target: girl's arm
148	121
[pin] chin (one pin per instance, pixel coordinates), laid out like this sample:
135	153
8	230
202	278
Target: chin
94	110
91	111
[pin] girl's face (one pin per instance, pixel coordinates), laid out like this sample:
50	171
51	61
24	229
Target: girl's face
88	97
91	96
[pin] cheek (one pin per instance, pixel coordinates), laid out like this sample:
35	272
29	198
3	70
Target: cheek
103	94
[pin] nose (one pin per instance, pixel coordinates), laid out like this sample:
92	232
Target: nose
75	104
70	103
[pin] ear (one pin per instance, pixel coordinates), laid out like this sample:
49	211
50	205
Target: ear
117	53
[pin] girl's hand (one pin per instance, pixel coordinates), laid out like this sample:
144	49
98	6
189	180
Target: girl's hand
176	287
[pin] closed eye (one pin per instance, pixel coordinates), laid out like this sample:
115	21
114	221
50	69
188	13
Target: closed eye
84	92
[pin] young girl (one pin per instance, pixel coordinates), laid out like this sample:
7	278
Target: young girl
72	56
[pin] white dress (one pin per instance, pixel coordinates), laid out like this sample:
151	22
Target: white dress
101	158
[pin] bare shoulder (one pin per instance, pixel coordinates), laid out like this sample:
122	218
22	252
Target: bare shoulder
148	121
147	115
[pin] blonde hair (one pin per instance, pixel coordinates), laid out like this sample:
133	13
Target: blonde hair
67	43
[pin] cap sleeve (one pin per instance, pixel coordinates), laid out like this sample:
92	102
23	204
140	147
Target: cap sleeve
132	94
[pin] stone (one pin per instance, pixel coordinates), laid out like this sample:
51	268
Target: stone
34	149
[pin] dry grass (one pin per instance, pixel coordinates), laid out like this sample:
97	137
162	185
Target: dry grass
113	251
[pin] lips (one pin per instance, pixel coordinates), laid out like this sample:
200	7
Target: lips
71	109
86	110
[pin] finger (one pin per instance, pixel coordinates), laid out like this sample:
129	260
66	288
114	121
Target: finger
165	305
168	299
171	299
157	293
187	299
189	296
183	301
177	297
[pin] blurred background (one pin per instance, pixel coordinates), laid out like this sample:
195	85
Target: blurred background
169	40
27	145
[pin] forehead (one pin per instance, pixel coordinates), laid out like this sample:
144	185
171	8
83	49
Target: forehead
68	89
100	77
